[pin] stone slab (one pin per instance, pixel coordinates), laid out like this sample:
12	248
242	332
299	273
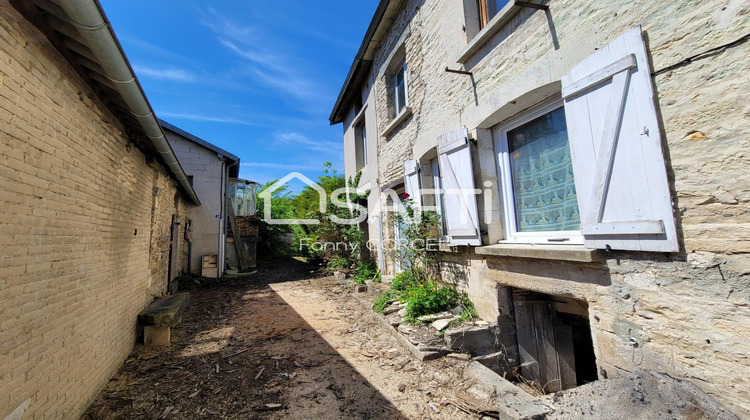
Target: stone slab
165	312
543	252
476	340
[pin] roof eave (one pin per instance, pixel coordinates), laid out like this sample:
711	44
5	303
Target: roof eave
337	114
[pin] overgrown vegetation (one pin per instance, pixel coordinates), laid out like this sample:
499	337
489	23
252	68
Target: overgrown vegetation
419	286
338	246
366	270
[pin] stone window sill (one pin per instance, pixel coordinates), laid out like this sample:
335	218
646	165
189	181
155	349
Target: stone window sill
484	36
543	252
401	117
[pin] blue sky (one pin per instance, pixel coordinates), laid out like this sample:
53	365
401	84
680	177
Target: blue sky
256	78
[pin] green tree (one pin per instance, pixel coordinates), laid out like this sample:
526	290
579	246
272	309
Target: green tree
273	237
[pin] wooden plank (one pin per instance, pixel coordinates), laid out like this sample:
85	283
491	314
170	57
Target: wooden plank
599	76
452	140
527	340
461	216
606	154
173	255
646	135
634	227
637	188
411	182
238	244
548	365
565	355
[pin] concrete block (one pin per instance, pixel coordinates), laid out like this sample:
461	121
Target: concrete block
476	340
360	288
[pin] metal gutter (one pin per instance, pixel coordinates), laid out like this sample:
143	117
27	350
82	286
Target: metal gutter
359	59
95	29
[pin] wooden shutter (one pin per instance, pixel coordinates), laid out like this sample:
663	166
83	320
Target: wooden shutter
457	176
411	182
615	143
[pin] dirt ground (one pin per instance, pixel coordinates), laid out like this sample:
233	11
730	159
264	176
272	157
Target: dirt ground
285	342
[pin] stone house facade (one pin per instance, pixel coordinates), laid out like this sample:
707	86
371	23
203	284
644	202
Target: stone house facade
590	160
209	169
93	202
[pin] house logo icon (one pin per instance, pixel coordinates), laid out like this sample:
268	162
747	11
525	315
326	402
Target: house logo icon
267	194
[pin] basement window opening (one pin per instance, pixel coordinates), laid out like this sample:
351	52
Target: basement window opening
553	338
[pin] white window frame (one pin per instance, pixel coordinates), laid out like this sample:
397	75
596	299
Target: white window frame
398	107
512	235
360	142
437	186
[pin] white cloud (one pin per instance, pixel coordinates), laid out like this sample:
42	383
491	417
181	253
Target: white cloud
302	140
281	72
196	117
177	75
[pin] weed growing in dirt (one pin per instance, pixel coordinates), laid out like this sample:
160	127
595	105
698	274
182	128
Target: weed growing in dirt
383	300
366	270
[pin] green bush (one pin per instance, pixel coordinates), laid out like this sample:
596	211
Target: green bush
337	264
403	281
428	298
366	270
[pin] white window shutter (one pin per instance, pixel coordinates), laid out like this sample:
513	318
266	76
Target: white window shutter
457	176
615	143
411	182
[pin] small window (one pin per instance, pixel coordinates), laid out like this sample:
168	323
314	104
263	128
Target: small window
488	9
400	89
360	146
538	188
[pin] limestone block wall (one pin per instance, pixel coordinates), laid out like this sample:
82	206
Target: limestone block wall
76	198
689	310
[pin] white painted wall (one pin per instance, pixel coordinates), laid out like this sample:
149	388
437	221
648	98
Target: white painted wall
207	171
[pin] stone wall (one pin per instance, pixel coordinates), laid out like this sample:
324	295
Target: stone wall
166	202
76	198
689	311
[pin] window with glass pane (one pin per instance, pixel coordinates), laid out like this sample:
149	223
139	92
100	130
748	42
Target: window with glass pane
544	193
360	146
399	84
488	9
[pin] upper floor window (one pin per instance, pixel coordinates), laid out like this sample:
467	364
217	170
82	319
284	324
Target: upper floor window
360	146
488	9
400	89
